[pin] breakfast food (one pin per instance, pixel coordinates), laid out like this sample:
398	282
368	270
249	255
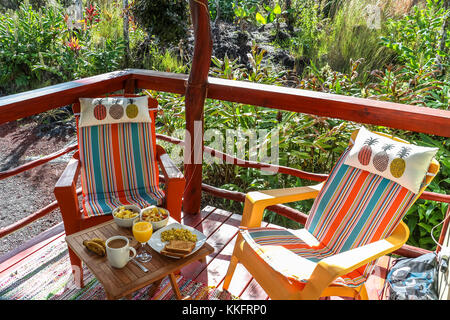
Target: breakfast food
117	243
154	214
96	246
99	241
178	248
180	242
123	213
178	234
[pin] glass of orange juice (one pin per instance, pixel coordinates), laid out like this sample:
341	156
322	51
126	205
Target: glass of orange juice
142	231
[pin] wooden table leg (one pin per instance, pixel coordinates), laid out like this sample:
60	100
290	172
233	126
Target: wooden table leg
154	287
176	290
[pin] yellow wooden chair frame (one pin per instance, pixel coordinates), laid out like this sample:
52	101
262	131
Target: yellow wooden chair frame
323	273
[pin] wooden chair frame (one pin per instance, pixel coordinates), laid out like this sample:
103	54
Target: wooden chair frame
323	273
74	220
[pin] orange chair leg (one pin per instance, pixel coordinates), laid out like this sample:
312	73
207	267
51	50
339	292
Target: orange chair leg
231	268
174	193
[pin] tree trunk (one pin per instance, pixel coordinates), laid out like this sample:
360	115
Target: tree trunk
126	29
194	102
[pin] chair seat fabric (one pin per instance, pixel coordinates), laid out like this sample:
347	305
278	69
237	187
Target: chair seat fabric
356	207
260	238
118	167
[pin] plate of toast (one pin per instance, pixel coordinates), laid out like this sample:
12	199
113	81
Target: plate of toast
176	240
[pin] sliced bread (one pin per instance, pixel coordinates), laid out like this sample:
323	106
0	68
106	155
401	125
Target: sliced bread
179	246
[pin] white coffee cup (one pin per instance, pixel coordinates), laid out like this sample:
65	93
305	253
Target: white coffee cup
119	255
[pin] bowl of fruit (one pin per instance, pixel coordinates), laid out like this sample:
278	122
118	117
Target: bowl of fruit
125	215
156	215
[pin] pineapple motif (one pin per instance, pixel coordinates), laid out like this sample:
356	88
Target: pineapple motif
365	153
100	111
116	110
398	164
132	110
381	159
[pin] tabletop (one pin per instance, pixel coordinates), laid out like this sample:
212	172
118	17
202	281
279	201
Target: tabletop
122	282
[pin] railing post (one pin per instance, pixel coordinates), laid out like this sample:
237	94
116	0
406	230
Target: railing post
194	103
129	86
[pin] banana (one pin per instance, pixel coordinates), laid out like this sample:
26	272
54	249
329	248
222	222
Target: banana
100	242
95	247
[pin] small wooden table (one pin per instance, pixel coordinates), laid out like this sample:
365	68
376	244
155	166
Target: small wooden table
119	283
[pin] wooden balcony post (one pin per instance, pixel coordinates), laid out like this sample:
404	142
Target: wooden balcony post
194	103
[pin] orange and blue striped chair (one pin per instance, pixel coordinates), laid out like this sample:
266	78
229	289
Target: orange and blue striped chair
355	219
118	165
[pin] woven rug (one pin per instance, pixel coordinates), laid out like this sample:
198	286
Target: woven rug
46	275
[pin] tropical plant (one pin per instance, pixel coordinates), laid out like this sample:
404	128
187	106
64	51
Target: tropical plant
416	37
243	14
270	14
28	47
421	41
167	20
225	9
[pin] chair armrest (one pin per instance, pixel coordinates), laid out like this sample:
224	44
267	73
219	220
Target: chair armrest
168	167
66	194
330	268
70	174
174	183
257	201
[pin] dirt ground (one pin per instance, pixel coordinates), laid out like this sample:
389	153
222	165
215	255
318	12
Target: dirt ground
20	142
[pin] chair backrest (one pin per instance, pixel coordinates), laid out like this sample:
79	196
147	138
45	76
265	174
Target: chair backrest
118	163
356	207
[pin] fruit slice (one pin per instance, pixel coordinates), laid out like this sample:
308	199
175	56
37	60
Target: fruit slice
94	247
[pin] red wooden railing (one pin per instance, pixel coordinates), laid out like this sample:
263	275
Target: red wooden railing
347	108
394	115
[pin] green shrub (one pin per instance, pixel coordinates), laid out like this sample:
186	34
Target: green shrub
416	39
167	20
38	48
227	8
351	36
29	42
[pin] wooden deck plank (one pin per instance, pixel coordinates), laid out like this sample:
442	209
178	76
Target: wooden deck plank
375	284
221	229
217	263
210	223
219	260
194	219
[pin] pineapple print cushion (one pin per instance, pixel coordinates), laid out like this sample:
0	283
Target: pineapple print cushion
101	111
404	163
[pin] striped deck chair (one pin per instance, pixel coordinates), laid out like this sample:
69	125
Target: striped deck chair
355	219
118	165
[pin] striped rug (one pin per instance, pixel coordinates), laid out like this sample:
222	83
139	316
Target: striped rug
46	275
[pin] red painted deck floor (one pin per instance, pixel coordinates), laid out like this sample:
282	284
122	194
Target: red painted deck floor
220	228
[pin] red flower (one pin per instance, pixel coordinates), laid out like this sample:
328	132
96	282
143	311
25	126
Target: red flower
92	14
74	45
